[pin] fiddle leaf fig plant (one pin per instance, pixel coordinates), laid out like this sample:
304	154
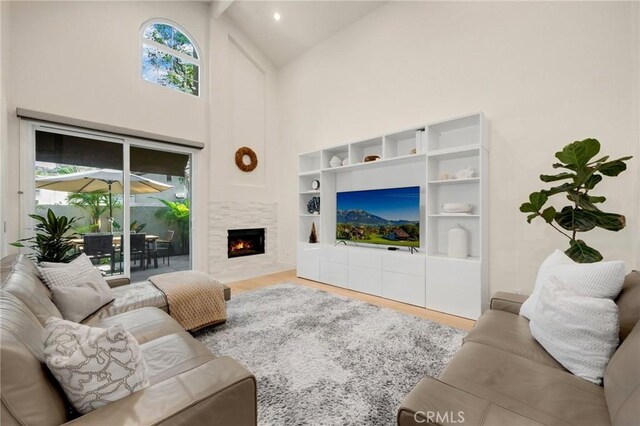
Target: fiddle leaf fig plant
580	174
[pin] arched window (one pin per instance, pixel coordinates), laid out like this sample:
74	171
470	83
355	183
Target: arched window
170	58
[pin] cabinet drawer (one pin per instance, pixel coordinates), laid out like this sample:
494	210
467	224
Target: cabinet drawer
365	280
336	254
403	288
404	263
334	273
367	258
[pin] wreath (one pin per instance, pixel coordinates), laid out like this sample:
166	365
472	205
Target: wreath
253	159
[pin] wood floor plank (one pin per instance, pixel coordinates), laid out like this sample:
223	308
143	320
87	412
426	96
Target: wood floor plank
290	276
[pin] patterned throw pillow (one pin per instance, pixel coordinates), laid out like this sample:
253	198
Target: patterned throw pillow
94	366
66	274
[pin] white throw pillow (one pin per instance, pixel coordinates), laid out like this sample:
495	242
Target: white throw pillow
580	332
602	279
94	366
546	268
78	302
66	274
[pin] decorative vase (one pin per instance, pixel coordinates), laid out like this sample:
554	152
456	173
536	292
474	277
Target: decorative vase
345	162
335	161
458	243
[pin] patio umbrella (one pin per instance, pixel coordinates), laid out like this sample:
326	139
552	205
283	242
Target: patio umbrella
101	180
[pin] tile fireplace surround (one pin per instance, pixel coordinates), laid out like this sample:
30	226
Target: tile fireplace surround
225	215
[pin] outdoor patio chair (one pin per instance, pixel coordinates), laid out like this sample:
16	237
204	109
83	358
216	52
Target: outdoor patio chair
139	248
163	246
99	247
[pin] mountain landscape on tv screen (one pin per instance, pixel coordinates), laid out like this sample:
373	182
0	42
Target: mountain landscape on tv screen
364	227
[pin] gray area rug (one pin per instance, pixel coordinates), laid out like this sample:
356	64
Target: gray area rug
323	359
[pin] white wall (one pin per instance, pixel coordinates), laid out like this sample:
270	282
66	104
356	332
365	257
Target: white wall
238	70
82	60
545	74
3	132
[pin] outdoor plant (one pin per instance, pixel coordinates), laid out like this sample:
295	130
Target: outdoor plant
134	227
583	214
52	242
176	213
95	204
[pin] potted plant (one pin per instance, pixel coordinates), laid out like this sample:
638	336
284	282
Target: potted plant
52	242
581	175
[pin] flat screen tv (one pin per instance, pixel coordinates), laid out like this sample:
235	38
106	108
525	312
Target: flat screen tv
388	216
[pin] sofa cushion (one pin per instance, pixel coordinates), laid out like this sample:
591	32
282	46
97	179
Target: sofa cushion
30	395
629	304
144	324
622	381
130	297
510	333
20	278
174	354
534	390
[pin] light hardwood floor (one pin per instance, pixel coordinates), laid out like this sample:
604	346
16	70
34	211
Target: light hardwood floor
290	276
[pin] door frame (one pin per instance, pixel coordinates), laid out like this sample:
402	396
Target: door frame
28	128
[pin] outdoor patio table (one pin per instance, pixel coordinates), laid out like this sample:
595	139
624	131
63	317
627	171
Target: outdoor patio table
150	239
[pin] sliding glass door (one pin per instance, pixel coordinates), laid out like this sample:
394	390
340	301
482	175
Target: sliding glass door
163	215
130	198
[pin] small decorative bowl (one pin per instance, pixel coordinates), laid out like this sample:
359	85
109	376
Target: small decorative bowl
370	158
457	208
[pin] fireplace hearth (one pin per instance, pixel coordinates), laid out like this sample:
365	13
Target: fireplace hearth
245	242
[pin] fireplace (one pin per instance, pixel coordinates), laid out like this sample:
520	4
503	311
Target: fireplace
245	242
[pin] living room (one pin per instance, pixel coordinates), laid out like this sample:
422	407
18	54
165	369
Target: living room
280	89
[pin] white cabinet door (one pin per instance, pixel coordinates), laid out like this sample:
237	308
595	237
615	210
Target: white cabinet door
453	286
334	273
308	263
403	288
365	280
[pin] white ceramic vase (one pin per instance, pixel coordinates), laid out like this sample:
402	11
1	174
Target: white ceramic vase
335	161
458	243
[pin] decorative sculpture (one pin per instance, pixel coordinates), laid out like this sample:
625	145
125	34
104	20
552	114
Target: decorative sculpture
313	237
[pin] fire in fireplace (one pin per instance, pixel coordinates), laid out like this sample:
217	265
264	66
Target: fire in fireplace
245	242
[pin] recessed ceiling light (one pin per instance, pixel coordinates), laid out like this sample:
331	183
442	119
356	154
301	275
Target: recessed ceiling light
276	16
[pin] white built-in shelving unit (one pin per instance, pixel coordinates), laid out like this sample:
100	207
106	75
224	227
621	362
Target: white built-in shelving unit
421	156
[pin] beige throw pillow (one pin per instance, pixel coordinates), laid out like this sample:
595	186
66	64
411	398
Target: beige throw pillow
94	366
80	301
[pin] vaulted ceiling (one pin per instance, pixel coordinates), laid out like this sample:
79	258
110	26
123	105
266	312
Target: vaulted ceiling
302	24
